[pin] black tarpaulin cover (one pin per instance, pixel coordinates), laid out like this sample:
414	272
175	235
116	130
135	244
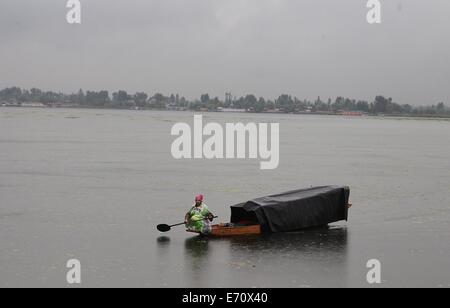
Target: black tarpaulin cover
294	210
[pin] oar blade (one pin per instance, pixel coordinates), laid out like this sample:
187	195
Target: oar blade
163	228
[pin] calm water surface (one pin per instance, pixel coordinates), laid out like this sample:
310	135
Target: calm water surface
93	184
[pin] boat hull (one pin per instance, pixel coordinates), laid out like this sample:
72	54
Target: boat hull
224	230
228	230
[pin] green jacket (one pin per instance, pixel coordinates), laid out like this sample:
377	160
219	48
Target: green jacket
198	213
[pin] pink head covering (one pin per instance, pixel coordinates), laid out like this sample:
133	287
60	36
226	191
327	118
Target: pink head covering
199	198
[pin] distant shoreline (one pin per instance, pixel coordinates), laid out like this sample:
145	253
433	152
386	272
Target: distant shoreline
342	114
284	104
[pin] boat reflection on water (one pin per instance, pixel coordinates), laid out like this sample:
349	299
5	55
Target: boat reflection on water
323	239
326	239
303	258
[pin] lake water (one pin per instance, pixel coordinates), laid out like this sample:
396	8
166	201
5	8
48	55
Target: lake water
93	185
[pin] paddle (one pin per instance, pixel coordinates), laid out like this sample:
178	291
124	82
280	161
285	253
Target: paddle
166	228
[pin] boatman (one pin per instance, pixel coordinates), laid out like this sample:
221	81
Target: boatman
199	218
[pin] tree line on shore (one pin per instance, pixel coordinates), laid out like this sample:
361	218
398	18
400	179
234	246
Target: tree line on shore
284	103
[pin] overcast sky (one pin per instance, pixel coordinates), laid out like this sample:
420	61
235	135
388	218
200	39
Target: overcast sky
306	48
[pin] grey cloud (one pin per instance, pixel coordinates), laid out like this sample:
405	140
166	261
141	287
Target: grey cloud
266	47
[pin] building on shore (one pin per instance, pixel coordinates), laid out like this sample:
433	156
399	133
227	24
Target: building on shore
230	110
350	113
32	104
10	104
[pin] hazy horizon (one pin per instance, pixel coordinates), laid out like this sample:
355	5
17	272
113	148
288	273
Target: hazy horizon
263	47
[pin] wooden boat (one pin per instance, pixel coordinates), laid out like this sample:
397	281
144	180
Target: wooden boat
225	230
290	211
234	230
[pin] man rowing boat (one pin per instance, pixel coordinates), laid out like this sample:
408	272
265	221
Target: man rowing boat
199	218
